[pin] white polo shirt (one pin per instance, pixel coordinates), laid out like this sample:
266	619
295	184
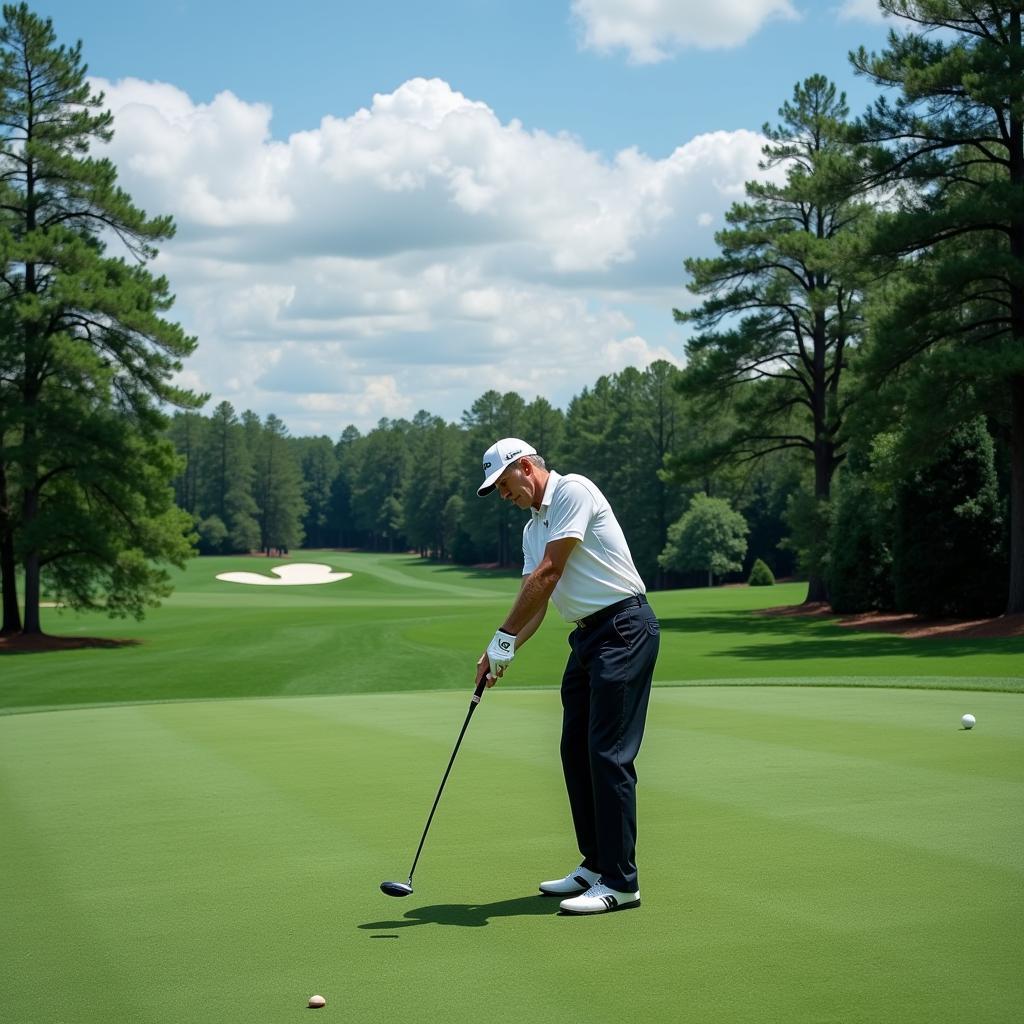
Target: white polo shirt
600	570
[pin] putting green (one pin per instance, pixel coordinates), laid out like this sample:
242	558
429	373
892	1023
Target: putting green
806	855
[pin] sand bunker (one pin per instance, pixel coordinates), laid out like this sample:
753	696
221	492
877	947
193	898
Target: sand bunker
299	574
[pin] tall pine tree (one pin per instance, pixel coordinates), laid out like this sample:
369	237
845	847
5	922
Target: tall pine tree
277	488
782	307
88	357
950	145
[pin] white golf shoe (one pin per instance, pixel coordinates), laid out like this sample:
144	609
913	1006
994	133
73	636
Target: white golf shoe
573	884
599	899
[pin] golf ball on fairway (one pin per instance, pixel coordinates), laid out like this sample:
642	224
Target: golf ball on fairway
968	721
316	1002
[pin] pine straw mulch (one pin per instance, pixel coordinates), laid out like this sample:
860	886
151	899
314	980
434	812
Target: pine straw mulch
1001	627
41	643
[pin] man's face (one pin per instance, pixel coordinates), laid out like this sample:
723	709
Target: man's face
515	485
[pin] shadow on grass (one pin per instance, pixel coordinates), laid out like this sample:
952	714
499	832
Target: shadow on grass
469	915
471	573
803	639
42	643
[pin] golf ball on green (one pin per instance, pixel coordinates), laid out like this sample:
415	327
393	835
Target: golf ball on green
968	721
315	1002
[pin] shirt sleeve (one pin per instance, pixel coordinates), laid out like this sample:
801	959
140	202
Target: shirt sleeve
529	562
571	512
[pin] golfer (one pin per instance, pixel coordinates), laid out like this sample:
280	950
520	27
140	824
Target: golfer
574	553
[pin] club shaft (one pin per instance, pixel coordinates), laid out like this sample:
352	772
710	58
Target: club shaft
478	693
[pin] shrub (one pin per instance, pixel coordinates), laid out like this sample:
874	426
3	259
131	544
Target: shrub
760	575
860	565
212	535
949	555
710	535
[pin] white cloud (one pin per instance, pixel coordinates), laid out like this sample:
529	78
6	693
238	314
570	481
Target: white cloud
414	253
653	30
861	10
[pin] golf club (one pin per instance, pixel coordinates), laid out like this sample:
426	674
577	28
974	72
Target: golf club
405	888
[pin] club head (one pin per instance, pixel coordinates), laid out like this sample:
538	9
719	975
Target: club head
396	888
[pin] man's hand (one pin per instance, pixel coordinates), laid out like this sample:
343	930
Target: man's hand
483	671
500	652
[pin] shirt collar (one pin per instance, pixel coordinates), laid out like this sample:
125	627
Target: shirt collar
549	494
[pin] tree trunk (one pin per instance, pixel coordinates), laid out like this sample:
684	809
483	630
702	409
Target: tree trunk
824	448
32	625
1015	599
30	498
1015	602
8	571
29	511
711	578
817	589
8	567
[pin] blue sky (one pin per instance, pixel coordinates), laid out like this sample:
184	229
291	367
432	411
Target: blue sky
383	208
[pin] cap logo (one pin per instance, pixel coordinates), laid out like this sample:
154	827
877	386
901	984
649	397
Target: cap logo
512	455
487	465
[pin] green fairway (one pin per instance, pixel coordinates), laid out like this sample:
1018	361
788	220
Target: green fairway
401	623
199	832
805	855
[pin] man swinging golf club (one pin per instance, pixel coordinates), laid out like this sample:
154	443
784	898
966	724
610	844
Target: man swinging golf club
575	554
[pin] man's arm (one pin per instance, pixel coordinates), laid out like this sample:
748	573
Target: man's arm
483	665
531	604
539	585
532	626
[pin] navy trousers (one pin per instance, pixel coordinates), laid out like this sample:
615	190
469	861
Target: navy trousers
605	690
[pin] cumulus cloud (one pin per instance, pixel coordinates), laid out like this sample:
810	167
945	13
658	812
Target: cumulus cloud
654	30
414	253
861	10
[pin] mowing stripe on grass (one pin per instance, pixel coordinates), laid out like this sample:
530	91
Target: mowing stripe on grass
805	854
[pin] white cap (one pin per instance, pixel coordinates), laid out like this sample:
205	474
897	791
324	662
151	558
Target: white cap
499	457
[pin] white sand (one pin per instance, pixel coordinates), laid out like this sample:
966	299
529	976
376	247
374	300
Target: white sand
297	574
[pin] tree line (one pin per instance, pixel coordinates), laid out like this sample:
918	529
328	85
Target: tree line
411	484
854	385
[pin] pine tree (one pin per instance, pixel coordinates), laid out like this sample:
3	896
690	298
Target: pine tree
277	489
319	468
376	466
187	433
496	529
950	148
226	484
621	433
782	304
87	358
435	466
341	523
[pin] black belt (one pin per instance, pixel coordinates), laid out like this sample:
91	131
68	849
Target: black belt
590	621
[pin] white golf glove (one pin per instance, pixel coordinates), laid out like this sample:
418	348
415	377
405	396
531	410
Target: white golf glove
501	651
